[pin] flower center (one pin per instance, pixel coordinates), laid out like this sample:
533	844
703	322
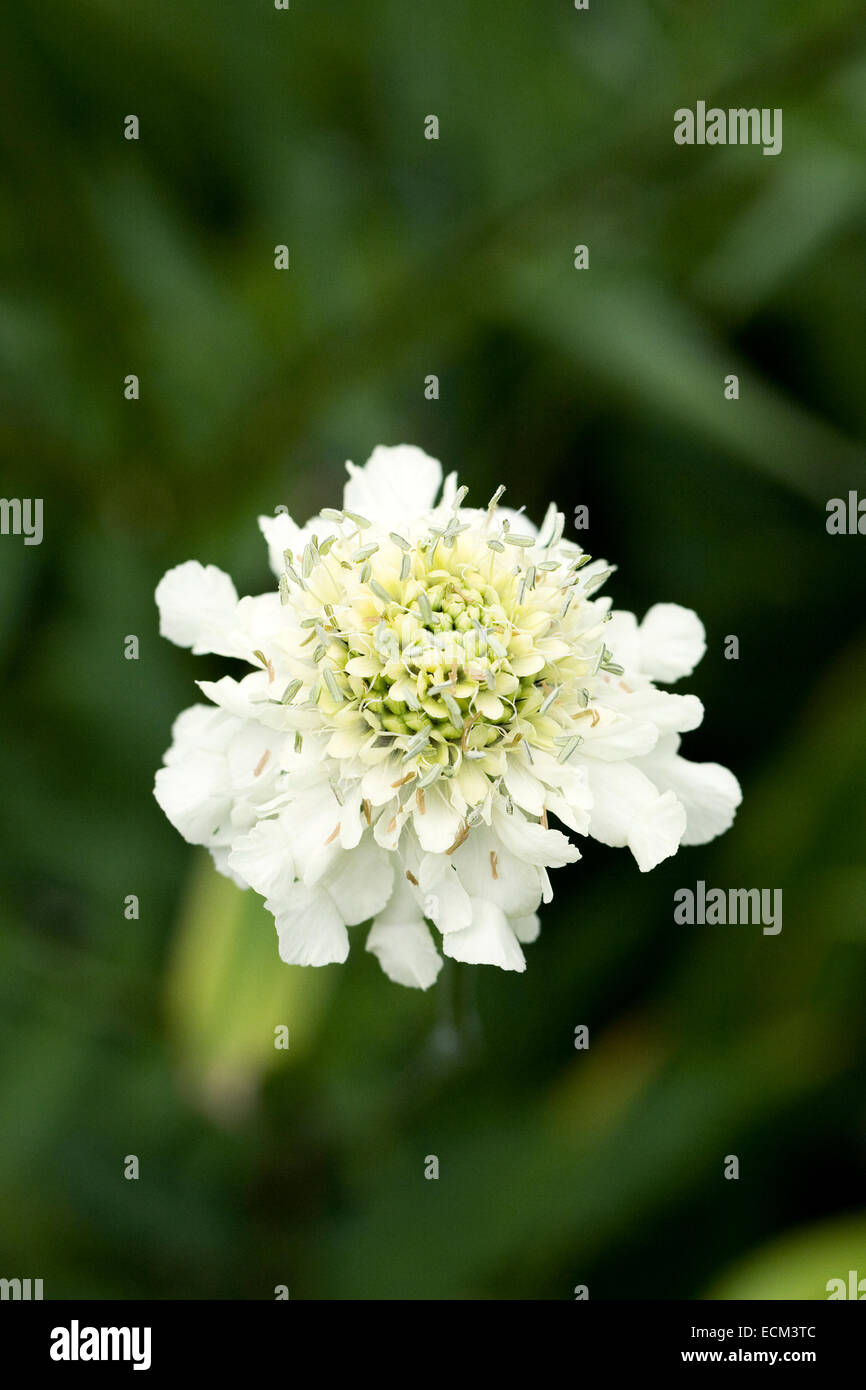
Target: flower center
450	648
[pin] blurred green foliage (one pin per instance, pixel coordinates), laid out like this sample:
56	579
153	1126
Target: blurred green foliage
601	388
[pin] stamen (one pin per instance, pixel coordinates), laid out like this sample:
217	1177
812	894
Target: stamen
380	591
414	746
523	542
461	836
331	682
569	745
453	709
494	501
403	780
549	699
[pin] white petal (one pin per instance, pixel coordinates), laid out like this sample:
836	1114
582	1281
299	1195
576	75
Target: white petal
402	943
377	785
437	827
670	713
248	699
194	788
263	859
627	810
526	929
353	822
389	827
281	534
313	823
309	927
200	727
527	665
253	762
472	784
220	856
360	881
258	619
488	869
656	832
530	841
622	636
344	743
489	940
672	642
489	705
444	898
523	785
518	521
570	798
197	605
615	736
708	791
395	485
577	818
619	792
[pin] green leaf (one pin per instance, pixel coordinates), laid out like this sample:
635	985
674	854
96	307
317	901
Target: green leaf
227	991
800	1264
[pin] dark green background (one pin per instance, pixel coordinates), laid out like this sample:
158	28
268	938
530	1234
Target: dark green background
601	387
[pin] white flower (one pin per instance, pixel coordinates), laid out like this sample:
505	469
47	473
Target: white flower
430	684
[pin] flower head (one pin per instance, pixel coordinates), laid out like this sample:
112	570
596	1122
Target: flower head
431	682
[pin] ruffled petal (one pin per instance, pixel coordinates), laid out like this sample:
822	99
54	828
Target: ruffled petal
263	859
197	606
444	898
669	713
488	869
360	881
622	636
396	485
194	788
438	824
309	927
523	785
709	792
628	810
402	943
529	841
616	737
672	642
656	832
488	940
